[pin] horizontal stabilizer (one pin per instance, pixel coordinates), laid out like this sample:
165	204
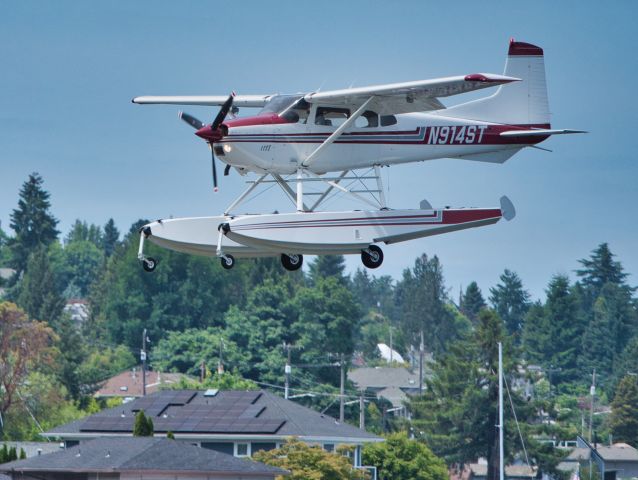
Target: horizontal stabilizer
541	132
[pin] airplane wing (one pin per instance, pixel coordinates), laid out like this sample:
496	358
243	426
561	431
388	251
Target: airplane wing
417	96
239	101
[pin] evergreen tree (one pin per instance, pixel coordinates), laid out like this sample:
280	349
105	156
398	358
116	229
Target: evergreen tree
23	454
110	238
536	339
599	269
624	411
170	435
458	412
13	454
143	426
627	362
598	342
559	347
31	221
472	302
72	353
325	266
511	302
4	250
81	231
38	294
422	297
4	453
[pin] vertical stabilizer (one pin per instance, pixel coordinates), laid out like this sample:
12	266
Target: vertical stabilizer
517	103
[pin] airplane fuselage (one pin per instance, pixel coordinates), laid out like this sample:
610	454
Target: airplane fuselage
254	145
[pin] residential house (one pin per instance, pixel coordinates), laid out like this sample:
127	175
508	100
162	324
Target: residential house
128	384
235	422
478	471
33	449
138	458
617	461
5	274
393	384
78	310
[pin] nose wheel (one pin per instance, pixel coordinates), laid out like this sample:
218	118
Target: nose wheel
372	257
291	262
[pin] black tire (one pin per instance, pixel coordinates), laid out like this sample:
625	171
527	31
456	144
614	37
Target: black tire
149	264
228	261
292	262
373	258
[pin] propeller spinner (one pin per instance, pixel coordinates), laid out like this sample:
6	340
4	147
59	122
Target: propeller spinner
211	133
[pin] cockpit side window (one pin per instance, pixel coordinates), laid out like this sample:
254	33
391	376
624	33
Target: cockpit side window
331	116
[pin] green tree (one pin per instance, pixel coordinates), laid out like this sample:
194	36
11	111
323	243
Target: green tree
31	221
325	266
110	238
598	341
472	302
400	458
102	362
599	269
143	426
4	453
185	351
627	362
230	380
170	435
24	344
456	416
37	292
624	411
81	231
23	454
309	462
554	336
5	258
423	298
77	266
511	301
328	316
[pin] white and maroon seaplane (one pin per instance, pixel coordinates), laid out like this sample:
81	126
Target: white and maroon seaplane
327	138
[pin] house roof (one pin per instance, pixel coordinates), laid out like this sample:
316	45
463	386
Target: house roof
139	454
618	452
383	377
229	414
129	383
480	470
7	273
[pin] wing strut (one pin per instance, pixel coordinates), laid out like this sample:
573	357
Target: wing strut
337	133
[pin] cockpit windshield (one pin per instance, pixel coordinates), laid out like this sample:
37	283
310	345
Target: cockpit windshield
280	103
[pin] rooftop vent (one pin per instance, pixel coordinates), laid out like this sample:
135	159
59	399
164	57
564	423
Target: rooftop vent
211	392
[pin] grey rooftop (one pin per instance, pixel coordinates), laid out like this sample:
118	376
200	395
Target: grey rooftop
134	454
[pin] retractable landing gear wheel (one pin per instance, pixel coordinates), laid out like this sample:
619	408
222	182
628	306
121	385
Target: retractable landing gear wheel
372	257
292	262
228	261
149	264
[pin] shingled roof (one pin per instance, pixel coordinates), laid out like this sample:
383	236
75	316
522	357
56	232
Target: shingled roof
138	454
229	414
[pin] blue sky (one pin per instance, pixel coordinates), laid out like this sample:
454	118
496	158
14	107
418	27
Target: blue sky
69	70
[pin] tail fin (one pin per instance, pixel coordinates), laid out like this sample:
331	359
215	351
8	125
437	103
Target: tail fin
517	103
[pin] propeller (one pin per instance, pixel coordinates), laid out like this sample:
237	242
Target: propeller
212	132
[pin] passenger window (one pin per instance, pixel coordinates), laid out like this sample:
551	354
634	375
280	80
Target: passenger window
387	120
368	119
331	116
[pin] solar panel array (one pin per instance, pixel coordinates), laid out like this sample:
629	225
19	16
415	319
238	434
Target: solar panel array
187	412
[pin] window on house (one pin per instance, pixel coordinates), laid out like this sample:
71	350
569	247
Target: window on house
242	450
329	447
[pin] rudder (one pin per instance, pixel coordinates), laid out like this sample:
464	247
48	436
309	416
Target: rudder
517	103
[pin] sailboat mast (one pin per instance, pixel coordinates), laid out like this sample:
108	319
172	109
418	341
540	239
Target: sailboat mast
500	411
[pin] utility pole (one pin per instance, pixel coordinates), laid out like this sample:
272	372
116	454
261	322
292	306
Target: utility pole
421	365
143	358
202	371
220	363
592	392
287	371
500	412
362	412
342	389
